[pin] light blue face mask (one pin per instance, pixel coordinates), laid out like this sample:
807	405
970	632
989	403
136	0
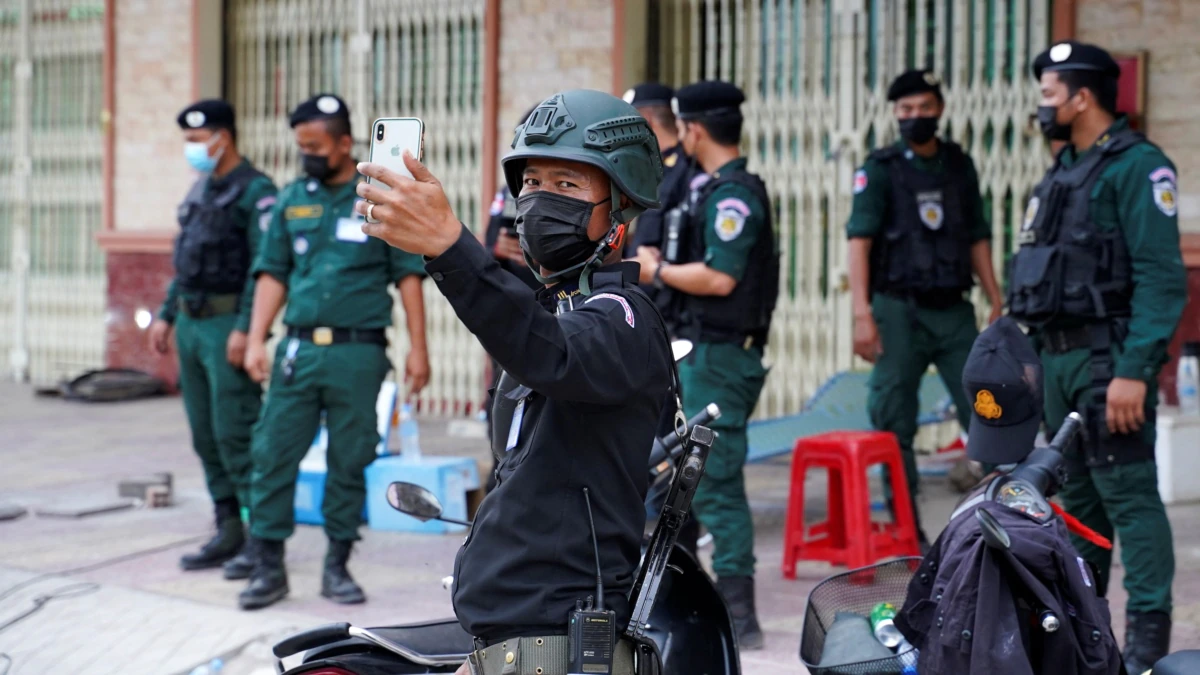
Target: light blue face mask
196	155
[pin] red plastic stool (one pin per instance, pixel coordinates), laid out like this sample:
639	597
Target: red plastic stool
847	536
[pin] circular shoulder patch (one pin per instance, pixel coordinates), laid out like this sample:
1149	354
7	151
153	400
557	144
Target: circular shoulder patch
300	246
195	119
328	105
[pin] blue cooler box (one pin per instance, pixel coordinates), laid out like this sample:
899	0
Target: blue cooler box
450	478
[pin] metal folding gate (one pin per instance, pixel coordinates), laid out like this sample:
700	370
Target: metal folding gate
52	281
385	58
815	73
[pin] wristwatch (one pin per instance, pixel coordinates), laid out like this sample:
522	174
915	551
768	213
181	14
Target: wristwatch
658	282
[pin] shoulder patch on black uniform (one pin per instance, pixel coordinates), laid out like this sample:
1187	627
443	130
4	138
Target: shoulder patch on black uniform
622	301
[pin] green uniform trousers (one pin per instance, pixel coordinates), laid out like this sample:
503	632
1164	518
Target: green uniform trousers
731	377
343	380
1121	498
221	401
913	337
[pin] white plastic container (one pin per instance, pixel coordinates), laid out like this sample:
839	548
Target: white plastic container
1187	379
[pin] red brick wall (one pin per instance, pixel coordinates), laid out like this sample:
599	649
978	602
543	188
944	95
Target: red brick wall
137	281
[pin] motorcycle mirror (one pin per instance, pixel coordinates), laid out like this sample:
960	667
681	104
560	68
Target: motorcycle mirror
681	348
993	532
414	500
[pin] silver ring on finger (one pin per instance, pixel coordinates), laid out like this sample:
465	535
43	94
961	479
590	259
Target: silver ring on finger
370	208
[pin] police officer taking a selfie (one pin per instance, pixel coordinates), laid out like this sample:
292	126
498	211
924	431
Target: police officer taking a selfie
917	233
1100	280
208	307
333	357
587	368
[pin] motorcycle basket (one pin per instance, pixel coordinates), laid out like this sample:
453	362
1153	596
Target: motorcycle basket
857	591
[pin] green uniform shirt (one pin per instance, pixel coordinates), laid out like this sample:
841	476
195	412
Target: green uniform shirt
336	275
1137	194
873	190
253	210
733	217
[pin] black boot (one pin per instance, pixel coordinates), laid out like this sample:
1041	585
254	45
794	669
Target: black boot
336	583
739	596
228	541
268	581
1147	639
242	565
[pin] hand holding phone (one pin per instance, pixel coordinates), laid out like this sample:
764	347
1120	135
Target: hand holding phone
390	137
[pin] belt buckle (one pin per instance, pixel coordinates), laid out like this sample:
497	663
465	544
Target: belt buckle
323	336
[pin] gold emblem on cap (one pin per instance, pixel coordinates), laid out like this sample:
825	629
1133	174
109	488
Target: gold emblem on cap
1060	52
986	406
932	80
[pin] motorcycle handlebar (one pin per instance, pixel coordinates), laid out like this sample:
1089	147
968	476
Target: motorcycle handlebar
1043	467
669	445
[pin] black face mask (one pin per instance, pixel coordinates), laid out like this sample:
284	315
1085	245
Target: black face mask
1047	116
317	166
918	129
553	229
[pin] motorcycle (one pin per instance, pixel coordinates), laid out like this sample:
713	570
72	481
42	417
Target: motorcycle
1027	488
679	619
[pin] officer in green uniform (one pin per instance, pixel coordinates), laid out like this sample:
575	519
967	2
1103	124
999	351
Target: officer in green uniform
1099	279
334	356
729	275
208	307
917	232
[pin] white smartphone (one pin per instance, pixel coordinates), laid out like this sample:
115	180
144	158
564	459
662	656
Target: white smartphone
390	137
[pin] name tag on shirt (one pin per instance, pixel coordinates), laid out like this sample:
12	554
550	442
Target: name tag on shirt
514	431
350	229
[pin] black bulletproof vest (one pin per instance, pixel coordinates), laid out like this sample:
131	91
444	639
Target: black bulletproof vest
212	253
925	244
1066	266
747	310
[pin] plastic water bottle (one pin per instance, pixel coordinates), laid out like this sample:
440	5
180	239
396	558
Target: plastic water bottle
1187	379
908	658
410	434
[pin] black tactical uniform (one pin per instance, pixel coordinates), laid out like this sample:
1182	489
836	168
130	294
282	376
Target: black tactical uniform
580	395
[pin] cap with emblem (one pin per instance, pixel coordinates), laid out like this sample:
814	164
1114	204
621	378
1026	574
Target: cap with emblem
1003	383
320	107
915	82
707	99
1071	55
648	94
210	113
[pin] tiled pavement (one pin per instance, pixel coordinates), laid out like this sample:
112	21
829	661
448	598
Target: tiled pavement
148	617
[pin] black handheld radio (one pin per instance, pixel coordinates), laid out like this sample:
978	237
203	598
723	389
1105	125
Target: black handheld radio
592	630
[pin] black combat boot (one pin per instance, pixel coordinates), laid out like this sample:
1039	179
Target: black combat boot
225	544
1147	639
739	597
336	583
268	581
242	565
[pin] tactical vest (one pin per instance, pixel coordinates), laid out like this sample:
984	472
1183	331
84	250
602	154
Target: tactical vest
212	253
1066	266
925	245
746	312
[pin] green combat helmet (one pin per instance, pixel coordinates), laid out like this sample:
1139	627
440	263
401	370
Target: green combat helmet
592	127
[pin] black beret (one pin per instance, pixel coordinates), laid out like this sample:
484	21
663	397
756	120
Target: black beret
706	98
1071	55
914	82
649	93
320	107
211	113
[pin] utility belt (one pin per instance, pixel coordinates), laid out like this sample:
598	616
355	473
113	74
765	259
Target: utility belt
548	655
204	306
747	339
1099	447
939	299
324	335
